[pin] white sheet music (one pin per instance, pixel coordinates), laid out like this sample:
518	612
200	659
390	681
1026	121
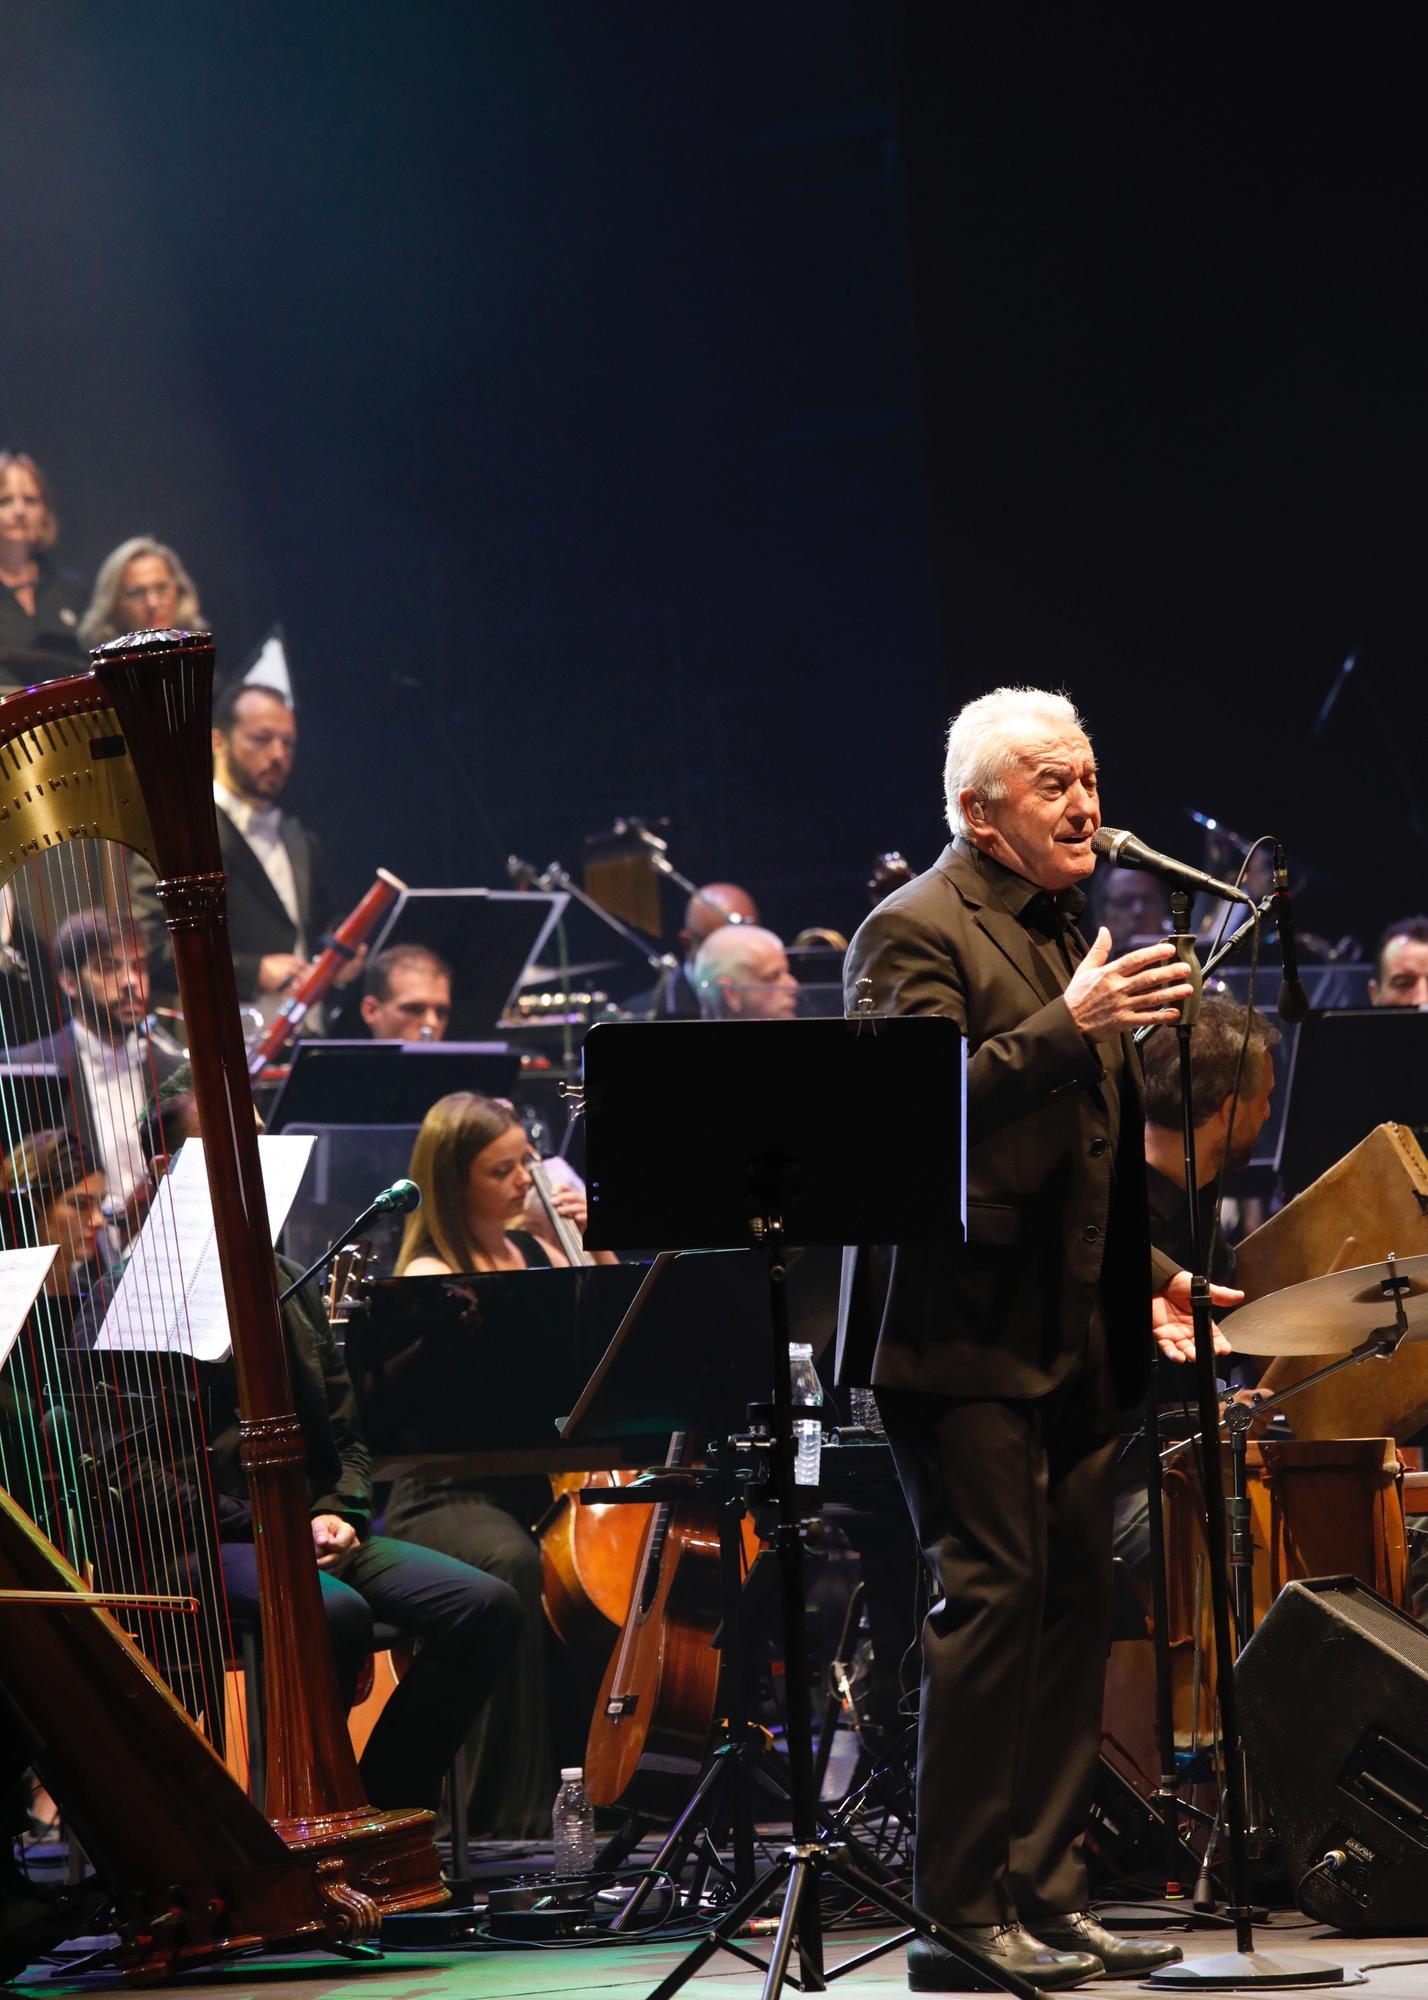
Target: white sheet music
22	1272
171	1292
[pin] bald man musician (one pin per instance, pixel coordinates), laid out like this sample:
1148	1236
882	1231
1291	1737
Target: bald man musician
675	997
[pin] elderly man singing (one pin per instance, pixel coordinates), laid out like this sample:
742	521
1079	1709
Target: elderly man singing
999	1363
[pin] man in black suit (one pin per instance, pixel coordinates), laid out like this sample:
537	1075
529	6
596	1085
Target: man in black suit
277	889
999	1362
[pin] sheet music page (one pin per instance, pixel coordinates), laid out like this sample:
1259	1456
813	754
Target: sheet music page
171	1292
22	1272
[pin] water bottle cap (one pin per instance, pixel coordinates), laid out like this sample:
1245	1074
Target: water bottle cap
800	1347
571	1774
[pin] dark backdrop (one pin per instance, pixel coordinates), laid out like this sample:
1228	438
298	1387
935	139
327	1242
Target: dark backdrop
1169	274
698	401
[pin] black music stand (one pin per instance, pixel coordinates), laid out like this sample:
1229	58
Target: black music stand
793	1127
489	938
364	1082
1385	1051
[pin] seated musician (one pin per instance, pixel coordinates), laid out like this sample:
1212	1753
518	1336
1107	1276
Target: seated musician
470	1163
54	1194
141	586
1401	965
673	997
106	1064
742	971
1227	1120
467	1622
406	995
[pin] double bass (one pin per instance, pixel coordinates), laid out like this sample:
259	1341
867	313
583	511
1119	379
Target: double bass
120	754
589	1554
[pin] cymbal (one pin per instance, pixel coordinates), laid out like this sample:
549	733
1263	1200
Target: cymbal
547	975
1332	1314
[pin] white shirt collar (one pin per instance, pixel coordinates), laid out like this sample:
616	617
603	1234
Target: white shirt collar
248	817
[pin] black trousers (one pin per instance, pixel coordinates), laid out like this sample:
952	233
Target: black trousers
468	1625
511	1759
1012	1503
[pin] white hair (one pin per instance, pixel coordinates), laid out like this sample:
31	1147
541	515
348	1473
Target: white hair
730	953
986	739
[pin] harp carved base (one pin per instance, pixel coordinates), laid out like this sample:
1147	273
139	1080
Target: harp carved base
204	1922
370	1864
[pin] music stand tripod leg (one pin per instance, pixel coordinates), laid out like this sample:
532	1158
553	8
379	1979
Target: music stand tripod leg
808	1857
724	1773
680	1840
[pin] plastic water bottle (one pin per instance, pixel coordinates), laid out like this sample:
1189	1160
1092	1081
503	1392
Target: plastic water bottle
807	1397
573	1823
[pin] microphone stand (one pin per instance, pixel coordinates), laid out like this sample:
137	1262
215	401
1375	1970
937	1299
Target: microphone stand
1232	943
1244	1967
381	1206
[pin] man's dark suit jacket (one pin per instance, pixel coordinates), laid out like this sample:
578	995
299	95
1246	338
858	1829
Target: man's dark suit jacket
257	922
1056	1203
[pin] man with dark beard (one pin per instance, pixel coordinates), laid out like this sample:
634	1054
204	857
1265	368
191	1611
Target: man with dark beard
277	890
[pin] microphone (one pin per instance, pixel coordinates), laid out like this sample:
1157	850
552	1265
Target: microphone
1123	850
399	1199
1293	1000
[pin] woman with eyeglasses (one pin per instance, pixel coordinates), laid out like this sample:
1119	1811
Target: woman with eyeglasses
141	587
38	612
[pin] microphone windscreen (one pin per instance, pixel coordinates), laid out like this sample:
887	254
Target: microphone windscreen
1293	1004
1104	839
402	1197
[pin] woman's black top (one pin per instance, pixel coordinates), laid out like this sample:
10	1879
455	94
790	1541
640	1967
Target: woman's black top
51	629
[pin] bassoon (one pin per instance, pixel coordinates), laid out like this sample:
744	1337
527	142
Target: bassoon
342	946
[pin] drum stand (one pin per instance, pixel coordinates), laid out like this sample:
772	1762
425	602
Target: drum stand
1244	1967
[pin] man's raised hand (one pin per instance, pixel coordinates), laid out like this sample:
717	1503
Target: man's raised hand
1109	996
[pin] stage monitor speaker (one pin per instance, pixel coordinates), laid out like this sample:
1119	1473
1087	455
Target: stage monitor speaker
1333	1694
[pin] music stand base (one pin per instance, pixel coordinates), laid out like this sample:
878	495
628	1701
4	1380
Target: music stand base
1236	1970
801	1868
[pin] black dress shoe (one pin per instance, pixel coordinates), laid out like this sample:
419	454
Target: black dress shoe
1121	1958
931	1968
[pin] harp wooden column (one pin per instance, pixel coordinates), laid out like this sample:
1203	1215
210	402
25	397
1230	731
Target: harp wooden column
160	688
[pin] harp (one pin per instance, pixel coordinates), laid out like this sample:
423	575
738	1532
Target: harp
118	758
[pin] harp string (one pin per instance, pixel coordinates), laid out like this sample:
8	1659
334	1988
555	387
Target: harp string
35	1481
111	1446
